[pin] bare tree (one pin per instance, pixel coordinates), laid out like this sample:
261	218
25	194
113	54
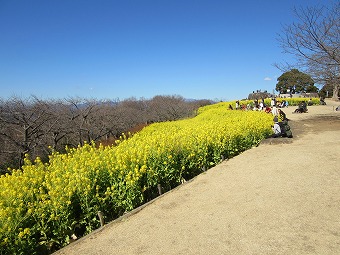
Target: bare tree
327	75
315	42
60	130
22	126
33	126
169	108
81	112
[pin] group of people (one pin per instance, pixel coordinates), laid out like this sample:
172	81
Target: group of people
280	127
259	105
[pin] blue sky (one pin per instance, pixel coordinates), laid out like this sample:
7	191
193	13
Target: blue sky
203	49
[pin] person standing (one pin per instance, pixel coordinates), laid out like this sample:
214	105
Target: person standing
261	106
272	102
274	110
237	105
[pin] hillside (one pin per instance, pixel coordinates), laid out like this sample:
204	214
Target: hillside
278	198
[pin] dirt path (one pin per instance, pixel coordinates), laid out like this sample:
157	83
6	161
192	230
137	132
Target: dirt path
282	197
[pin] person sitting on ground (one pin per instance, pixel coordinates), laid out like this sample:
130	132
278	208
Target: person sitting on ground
285	129
283	104
322	101
310	102
281	115
301	108
267	109
282	121
304	106
276	128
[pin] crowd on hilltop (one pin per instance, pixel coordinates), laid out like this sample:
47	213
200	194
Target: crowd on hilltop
260	105
280	127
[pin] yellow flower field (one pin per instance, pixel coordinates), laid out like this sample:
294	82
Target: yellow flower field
44	204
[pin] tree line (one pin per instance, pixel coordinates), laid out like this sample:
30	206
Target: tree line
35	126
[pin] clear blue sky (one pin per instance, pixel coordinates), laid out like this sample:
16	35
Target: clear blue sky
202	49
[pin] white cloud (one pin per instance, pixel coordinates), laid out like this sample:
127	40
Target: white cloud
267	79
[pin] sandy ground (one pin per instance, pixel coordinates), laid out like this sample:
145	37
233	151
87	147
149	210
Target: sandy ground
282	197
